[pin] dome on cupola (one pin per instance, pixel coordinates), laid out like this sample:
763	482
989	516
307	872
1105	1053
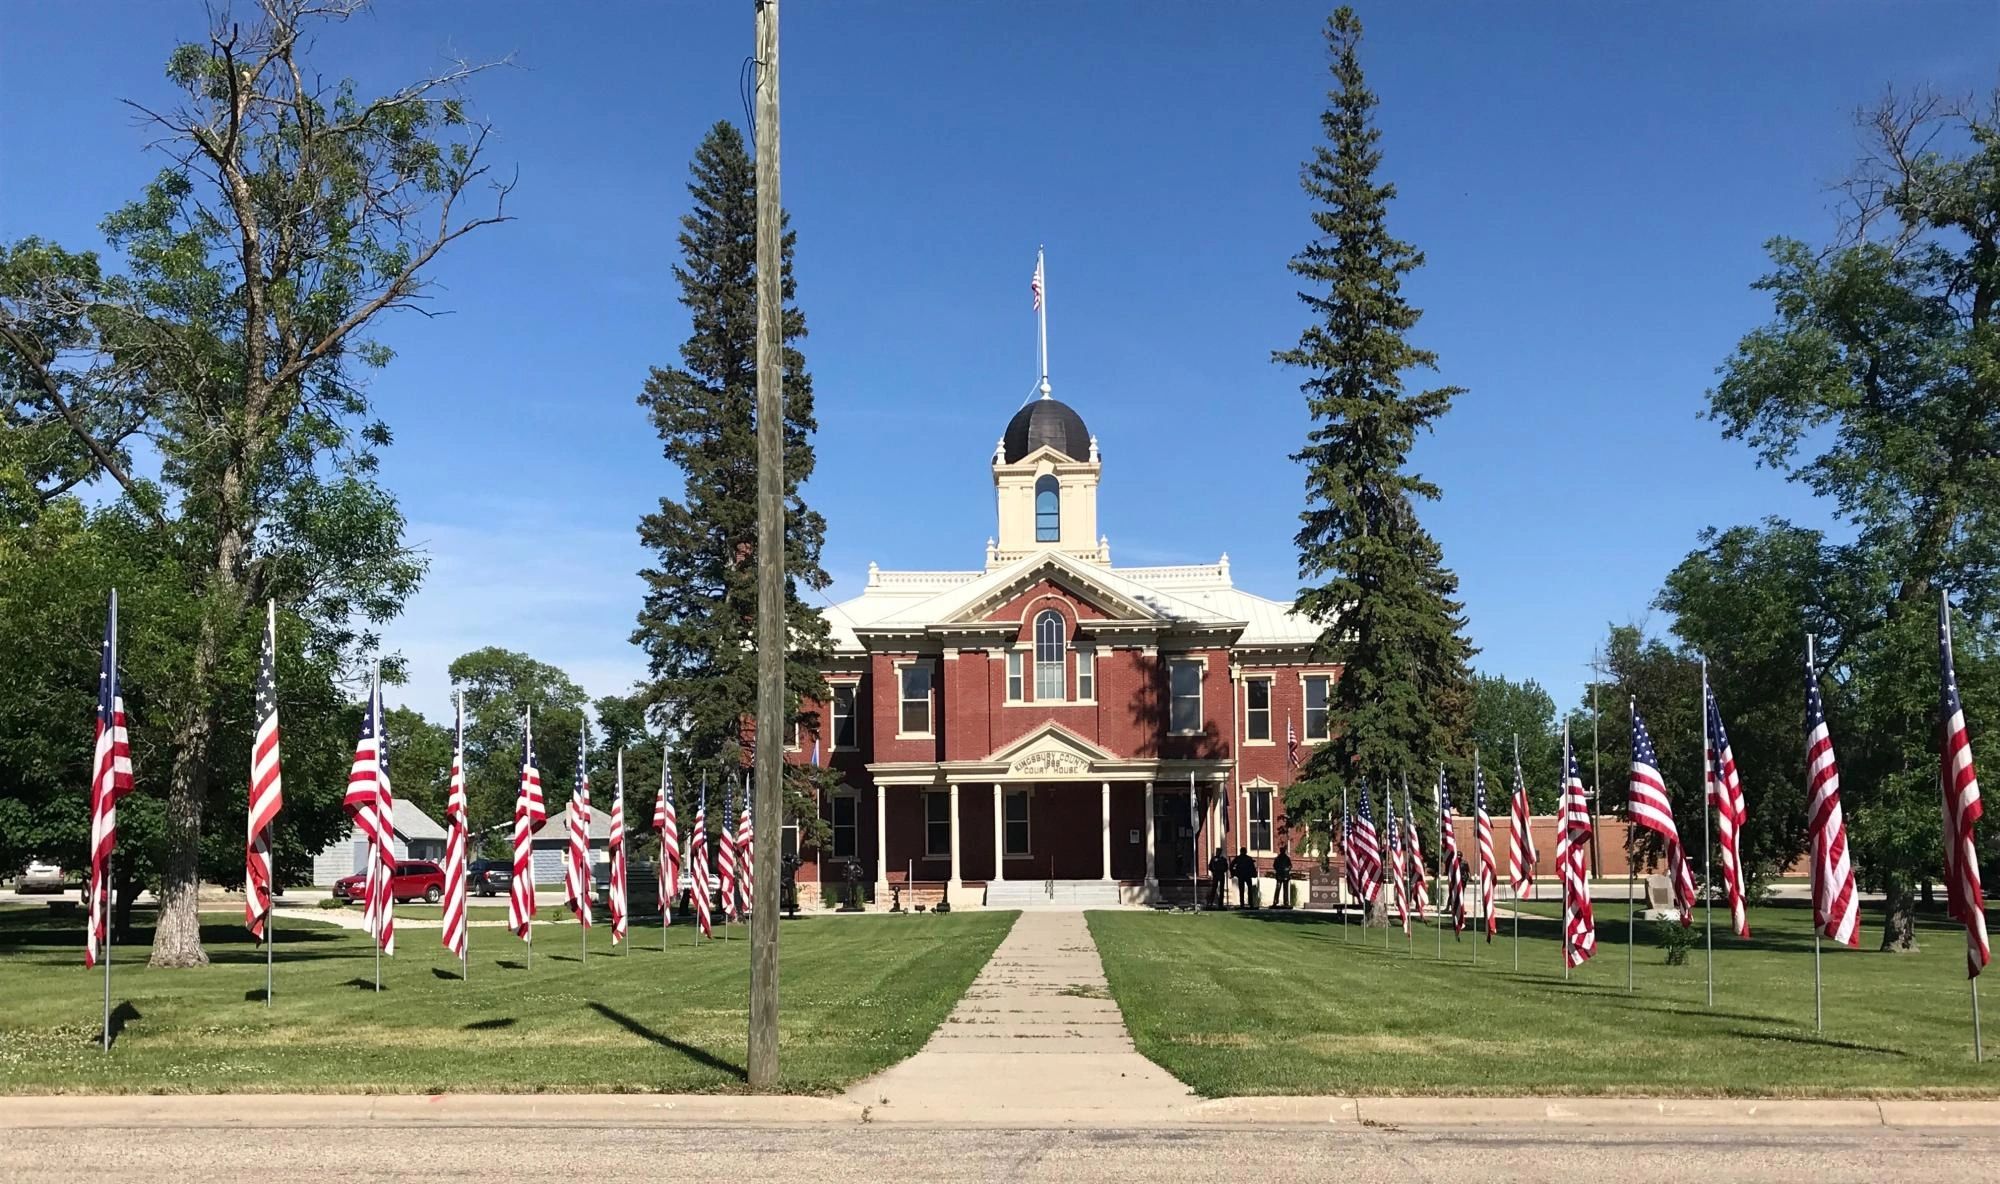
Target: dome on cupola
1046	421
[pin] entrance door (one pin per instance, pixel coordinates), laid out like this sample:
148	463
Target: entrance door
1173	835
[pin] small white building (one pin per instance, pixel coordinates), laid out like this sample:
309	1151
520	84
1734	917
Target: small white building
551	846
417	837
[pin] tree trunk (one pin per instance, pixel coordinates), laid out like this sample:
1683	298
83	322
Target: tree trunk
1928	893
177	934
1899	920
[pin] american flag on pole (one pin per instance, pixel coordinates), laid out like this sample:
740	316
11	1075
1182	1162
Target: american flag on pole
457	826
1521	854
725	857
267	791
1366	852
1398	867
698	863
620	920
528	814
1572	845
1291	744
577	885
1960	784
1419	875
1725	793
1035	284
1649	806
1836	907
746	841
110	779
670	841
1482	833
1453	863
372	805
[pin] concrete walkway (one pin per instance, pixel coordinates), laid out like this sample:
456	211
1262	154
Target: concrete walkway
1035	1041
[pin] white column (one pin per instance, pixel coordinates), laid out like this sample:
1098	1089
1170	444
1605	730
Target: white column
999	833
1152	878
1106	877
882	845
956	881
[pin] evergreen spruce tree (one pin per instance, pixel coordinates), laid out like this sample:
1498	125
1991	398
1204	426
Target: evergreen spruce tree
698	623
1386	603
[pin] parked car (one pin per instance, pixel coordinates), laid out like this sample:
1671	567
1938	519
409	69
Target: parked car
413	879
489	877
40	877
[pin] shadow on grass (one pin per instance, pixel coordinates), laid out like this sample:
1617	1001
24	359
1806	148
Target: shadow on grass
450	976
700	1055
492	1025
121	1015
510	964
364	984
255	995
1818	1042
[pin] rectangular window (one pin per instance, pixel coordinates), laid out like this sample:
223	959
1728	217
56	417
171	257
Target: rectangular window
845	809
1260	820
1257	709
937	825
916	691
1015	840
1086	674
788	846
844	724
1184	712
1014	659
1316	688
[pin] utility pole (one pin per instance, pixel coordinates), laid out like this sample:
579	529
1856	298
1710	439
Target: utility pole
772	636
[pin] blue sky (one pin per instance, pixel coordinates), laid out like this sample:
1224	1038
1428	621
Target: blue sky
1591	183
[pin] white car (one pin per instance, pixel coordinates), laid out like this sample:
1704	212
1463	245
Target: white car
40	877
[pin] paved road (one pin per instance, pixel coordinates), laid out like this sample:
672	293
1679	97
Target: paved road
852	1152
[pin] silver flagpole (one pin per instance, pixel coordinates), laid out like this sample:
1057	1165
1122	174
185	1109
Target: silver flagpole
1194	824
1511	886
1708	783
1346	875
1944	610
1562	831
1631	903
1479	885
1441	889
1819	1015
104	889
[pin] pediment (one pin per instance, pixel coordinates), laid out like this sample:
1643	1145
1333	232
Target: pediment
1068	575
1051	751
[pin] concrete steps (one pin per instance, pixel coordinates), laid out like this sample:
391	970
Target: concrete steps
1056	894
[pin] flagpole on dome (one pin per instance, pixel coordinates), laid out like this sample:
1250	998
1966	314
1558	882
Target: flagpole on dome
1040	288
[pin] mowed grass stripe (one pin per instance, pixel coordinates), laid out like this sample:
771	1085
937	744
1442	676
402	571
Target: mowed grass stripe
1235	1004
858	994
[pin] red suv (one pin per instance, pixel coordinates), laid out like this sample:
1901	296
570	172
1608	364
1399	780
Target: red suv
413	878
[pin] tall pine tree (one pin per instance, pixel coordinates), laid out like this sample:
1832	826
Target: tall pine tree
698	623
1386	603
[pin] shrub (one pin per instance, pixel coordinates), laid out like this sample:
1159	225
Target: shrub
331	903
1676	939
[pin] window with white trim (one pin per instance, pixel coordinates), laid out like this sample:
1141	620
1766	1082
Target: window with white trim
915	683
1049	647
1048	509
1184	690
1257	709
1015	689
1086	674
1260	819
937	825
1317	686
846	809
1014	824
845	726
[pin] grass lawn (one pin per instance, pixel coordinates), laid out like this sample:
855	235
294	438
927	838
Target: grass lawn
859	994
1280	1004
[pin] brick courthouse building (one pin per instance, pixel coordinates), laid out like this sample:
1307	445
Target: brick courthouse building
1031	729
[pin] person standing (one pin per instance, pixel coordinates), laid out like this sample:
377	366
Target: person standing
1218	875
1245	870
1281	873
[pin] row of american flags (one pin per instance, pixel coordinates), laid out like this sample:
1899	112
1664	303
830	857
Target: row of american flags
1399	865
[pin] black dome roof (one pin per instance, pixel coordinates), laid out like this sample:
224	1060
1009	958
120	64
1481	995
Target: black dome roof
1046	421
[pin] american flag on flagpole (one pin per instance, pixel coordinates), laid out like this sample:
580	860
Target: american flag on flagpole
528	814
267	792
725	857
1960	784
1035	284
1649	806
577	886
670	841
1453	869
457	826
1398	866
1482	833
1420	880
371	803
698	863
111	779
746	840
1836	906
615	842
1725	793
1291	744
1521	854
1572	845
1367	852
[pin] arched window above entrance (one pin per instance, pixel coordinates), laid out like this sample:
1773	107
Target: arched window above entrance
1048	510
1049	643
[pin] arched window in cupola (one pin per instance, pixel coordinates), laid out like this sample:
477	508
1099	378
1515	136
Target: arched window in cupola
1048	510
1049	644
